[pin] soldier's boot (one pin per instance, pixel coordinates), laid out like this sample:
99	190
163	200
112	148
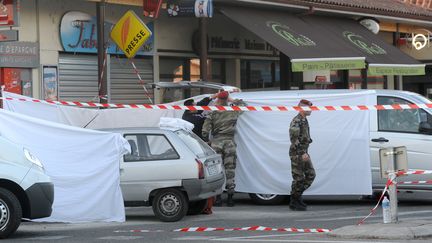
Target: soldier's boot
295	205
230	202
300	200
218	201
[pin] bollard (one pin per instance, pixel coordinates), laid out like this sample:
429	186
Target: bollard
393	197
391	176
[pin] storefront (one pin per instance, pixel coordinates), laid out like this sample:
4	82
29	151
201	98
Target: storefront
251	48
17	58
78	74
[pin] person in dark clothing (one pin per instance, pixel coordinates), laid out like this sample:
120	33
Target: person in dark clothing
197	117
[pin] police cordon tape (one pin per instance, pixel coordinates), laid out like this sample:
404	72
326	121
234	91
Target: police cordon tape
228	108
414	172
391	181
251	228
415	182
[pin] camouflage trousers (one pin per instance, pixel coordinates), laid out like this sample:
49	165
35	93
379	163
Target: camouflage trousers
303	175
227	148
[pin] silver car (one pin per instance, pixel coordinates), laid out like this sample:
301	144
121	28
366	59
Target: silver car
172	170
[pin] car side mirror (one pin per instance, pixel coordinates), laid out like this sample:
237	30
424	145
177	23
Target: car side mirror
425	128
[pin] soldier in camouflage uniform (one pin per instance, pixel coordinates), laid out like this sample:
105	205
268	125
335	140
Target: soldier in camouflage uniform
302	169
221	126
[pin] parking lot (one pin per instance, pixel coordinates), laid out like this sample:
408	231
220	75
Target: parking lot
323	212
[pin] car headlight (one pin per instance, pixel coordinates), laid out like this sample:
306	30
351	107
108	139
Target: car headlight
30	157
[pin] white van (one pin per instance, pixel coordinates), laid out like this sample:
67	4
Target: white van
25	190
390	128
172	170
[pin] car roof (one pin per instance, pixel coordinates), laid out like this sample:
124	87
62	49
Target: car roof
193	84
136	129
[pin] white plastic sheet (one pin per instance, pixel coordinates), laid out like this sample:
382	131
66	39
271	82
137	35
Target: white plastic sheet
340	151
83	165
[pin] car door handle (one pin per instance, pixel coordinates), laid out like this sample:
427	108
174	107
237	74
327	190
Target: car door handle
380	140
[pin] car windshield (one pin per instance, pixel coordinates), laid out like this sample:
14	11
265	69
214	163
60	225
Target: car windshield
194	143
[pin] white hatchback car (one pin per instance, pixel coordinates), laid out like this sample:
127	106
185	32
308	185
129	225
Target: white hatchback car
26	191
172	170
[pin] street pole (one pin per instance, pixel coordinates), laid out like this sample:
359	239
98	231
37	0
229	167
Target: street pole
203	49
392	188
102	72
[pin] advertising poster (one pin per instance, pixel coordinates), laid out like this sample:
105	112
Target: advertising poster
50	77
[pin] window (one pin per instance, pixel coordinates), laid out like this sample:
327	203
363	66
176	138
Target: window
400	120
146	147
194	143
259	74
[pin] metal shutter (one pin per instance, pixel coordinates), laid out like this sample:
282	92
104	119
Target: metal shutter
125	87
78	79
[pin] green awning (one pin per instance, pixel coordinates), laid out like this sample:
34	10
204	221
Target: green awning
325	43
315	64
394	69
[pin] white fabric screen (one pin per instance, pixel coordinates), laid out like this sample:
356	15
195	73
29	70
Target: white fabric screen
83	164
340	151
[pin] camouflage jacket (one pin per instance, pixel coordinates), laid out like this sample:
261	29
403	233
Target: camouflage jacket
221	124
299	136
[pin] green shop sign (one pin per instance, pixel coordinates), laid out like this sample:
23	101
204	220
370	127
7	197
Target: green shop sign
408	70
300	65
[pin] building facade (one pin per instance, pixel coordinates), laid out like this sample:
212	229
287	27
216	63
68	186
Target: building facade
59	42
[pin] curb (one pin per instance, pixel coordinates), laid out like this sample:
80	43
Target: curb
399	231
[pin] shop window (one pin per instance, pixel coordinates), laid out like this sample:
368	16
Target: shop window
399	120
373	82
257	74
16	80
171	69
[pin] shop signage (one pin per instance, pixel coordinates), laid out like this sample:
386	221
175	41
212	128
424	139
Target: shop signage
8	12
363	44
237	45
289	35
301	65
406	70
19	54
8	35
151	8
130	33
419	41
78	34
190	8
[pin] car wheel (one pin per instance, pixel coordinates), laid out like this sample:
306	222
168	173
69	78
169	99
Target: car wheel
170	205
197	207
267	199
10	213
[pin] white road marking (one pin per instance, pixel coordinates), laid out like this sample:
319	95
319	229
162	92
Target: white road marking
120	238
377	215
259	238
44	238
200	238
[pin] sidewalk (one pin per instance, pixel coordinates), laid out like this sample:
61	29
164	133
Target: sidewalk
401	231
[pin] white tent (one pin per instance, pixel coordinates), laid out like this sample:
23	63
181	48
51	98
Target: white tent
83	165
340	151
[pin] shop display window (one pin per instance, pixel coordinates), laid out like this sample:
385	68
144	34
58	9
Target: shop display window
259	74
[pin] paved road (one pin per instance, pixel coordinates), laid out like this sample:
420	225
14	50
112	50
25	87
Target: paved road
324	212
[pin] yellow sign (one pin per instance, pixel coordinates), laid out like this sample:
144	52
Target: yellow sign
130	33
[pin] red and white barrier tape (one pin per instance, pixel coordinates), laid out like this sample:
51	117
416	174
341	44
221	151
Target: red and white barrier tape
227	108
415	172
252	228
415	182
141	81
373	210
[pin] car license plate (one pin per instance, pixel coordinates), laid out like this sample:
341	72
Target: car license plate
212	170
